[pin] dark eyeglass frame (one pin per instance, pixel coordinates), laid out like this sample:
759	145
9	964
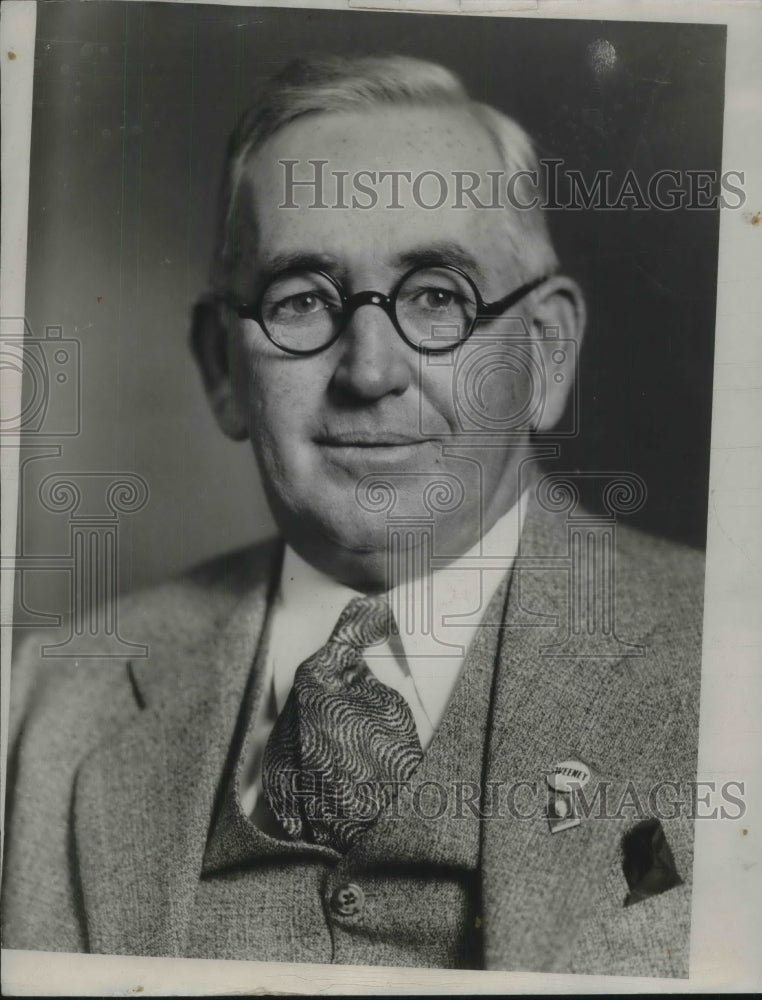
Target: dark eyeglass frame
350	303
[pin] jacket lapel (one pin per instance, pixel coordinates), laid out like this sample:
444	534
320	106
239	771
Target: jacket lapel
538	886
144	798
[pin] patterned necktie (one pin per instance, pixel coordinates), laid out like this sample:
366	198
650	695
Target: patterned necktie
343	738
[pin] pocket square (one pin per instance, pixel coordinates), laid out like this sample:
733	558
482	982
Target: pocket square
647	862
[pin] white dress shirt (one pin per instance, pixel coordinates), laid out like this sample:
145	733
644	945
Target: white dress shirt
421	663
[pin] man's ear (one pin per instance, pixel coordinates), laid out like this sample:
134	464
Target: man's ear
558	326
210	346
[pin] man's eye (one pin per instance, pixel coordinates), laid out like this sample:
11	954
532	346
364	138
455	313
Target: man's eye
435	298
300	305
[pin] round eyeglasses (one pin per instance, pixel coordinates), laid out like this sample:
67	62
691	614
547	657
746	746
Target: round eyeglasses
434	309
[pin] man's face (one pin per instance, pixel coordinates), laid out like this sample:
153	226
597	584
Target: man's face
370	405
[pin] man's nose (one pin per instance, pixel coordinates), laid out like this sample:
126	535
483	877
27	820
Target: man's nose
374	361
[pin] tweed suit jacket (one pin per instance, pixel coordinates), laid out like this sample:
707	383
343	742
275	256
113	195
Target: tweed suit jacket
115	766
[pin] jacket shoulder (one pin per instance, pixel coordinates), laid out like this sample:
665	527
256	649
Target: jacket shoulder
662	580
667	560
193	600
659	582
180	611
650	588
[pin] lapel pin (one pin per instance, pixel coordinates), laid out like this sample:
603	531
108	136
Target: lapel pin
563	780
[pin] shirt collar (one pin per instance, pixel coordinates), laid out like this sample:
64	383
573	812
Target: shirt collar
309	603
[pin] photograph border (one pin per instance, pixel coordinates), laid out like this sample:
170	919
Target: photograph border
726	925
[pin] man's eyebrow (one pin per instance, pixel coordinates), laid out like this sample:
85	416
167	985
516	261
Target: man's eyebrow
297	260
431	254
435	254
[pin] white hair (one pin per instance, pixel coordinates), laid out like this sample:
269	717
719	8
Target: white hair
334	84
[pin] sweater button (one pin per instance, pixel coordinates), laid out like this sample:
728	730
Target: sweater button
347	900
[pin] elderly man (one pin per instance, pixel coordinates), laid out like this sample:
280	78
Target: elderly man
394	736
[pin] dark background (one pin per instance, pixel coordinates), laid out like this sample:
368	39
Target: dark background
132	107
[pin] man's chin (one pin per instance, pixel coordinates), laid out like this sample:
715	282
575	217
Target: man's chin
359	539
353	550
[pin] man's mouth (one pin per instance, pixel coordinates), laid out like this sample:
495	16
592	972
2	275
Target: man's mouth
384	439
